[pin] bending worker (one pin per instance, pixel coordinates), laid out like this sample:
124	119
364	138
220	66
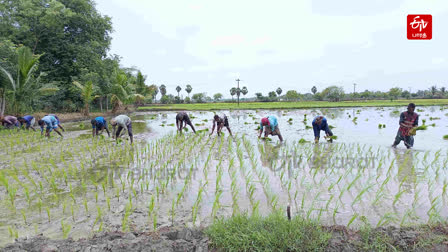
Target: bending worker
270	126
408	125
181	118
98	124
123	122
28	120
220	122
9	122
51	123
320	123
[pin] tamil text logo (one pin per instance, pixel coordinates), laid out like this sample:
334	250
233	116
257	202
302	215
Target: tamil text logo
419	26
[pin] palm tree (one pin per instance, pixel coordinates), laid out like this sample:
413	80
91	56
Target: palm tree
232	92
279	91
178	89
162	89
25	88
443	91
244	91
433	90
123	92
86	94
314	90
188	89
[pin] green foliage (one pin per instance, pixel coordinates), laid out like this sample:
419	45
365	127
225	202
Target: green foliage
295	105
273	233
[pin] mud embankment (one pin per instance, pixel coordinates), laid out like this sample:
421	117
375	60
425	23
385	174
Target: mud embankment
186	239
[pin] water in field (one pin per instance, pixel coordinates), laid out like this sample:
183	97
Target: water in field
78	186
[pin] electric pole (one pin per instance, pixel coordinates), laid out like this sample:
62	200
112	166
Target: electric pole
238	91
354	90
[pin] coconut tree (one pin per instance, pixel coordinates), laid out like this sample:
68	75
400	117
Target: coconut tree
178	89
123	92
23	87
86	94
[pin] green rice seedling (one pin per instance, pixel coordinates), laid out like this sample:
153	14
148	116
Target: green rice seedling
255	208
154	219
86	207
47	209
173	211
352	219
72	210
24	216
13	233
117	194
65	229
12	193
386	219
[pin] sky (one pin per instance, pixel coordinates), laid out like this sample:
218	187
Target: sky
292	44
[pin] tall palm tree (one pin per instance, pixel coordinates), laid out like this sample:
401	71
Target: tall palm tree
188	89
178	89
233	92
244	91
24	88
86	94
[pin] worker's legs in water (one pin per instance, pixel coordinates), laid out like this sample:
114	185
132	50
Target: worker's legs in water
277	133
398	139
409	141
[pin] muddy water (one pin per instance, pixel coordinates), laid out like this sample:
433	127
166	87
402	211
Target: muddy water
91	185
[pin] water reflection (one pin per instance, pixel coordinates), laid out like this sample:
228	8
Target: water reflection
406	168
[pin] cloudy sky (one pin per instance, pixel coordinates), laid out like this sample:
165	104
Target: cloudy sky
292	44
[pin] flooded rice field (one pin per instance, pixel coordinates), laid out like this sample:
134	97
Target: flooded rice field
77	186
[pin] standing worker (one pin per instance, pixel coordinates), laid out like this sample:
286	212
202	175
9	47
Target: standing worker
408	125
51	123
270	126
123	122
98	124
28	120
9	122
220	122
320	123
181	118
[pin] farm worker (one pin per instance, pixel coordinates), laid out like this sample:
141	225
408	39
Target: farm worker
220	122
10	121
51	124
59	122
408	124
98	124
123	122
181	118
320	123
270	126
28	120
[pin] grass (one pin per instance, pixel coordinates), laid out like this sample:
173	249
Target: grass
273	233
293	105
276	233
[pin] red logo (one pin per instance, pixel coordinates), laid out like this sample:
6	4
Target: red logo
419	27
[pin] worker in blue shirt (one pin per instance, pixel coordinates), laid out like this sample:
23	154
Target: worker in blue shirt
98	124
320	123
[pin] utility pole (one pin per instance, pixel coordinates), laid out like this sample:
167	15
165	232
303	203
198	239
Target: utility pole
238	91
354	90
